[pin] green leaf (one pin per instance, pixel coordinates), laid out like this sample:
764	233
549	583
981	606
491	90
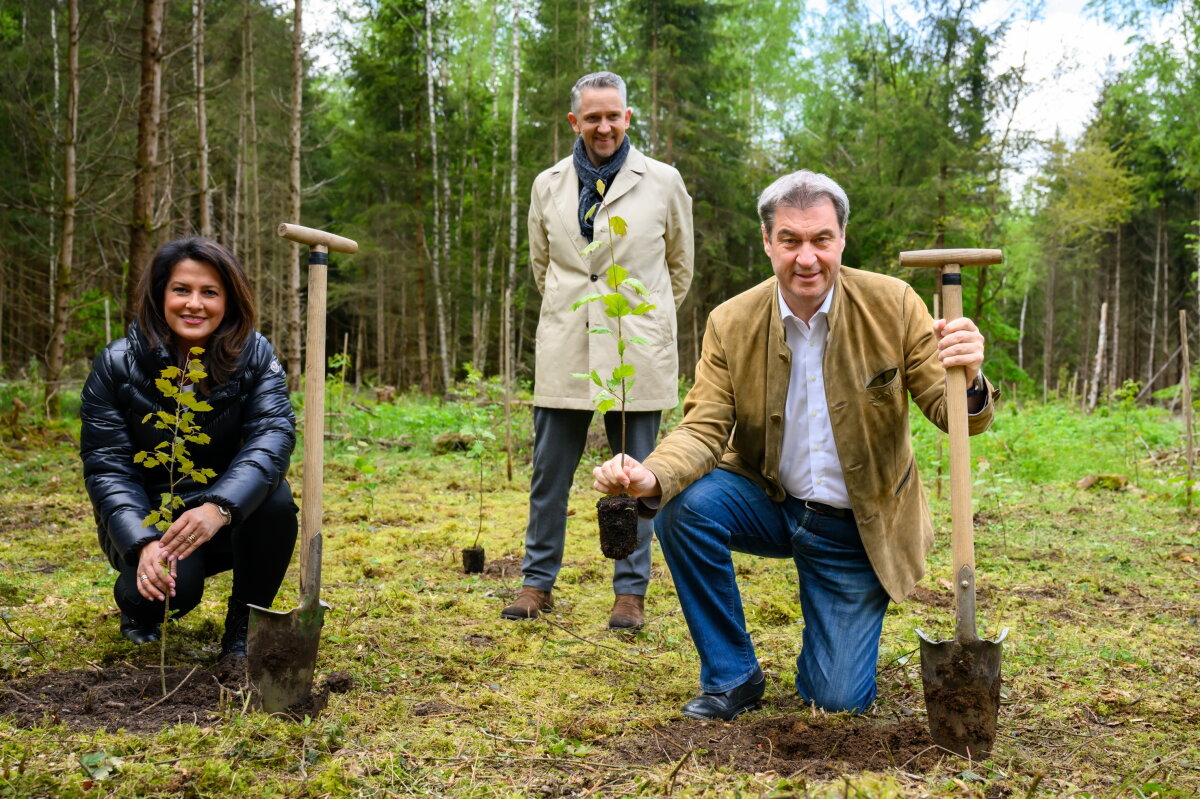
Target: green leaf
639	340
196	375
209	473
162	444
166	387
600	186
616	306
607	405
592	247
171	372
591	212
600	330
203	406
167	418
589	298
162	526
643	308
146	418
596	379
623	371
196	351
151	518
198	476
177	502
615	276
618	225
139	457
199	438
187	399
637	286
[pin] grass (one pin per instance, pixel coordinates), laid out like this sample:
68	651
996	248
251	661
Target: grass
1098	587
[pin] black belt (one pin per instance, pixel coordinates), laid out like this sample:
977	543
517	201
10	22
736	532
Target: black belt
821	509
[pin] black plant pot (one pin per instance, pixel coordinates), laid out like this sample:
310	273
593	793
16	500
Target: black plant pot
473	560
618	526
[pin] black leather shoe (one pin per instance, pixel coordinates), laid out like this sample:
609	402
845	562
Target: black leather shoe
139	633
237	622
729	705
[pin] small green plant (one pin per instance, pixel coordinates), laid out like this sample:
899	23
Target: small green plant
478	429
614	389
367	481
173	456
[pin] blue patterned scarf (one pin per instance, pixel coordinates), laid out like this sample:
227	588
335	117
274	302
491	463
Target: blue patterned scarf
588	175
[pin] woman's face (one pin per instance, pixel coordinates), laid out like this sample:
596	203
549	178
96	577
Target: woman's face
194	303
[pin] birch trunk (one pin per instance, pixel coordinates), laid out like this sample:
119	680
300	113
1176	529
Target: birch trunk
1048	331
294	354
1152	354
1098	368
510	282
141	224
435	253
202	187
66	241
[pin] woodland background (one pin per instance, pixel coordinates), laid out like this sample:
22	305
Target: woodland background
130	123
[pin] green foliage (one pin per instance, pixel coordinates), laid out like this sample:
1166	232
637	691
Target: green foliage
614	390
173	454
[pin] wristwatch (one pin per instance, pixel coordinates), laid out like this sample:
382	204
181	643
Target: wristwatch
226	514
979	387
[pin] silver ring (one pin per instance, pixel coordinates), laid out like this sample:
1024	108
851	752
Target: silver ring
144	577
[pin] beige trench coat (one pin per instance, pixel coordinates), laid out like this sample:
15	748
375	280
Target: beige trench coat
657	250
881	350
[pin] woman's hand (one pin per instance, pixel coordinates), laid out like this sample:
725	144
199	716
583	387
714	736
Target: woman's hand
190	530
156	574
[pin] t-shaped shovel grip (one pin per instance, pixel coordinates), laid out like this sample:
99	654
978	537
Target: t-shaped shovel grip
320	243
962	541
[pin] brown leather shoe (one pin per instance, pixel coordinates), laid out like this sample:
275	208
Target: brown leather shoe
529	604
627	612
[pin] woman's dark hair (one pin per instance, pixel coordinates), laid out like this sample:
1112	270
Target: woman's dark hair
225	347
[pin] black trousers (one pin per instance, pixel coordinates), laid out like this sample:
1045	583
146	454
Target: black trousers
258	550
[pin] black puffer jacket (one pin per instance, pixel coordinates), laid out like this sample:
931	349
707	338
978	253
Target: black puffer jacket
252	427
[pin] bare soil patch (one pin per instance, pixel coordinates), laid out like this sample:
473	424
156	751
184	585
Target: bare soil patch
789	744
504	568
131	698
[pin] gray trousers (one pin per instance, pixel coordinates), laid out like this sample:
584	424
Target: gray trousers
559	438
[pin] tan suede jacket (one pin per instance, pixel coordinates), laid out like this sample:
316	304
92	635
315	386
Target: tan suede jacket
881	349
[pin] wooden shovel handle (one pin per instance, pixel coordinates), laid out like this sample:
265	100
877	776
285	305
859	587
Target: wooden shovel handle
962	539
311	503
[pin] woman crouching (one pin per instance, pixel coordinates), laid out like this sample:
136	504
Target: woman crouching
194	294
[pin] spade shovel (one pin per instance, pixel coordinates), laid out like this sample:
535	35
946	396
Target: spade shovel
961	676
282	646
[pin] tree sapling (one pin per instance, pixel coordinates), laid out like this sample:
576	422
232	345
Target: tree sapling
478	430
617	515
173	455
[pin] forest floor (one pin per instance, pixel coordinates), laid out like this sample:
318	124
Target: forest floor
422	689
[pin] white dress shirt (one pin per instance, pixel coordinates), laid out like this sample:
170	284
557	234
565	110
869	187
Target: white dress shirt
809	467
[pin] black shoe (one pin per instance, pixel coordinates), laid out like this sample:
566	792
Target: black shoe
237	622
139	633
729	705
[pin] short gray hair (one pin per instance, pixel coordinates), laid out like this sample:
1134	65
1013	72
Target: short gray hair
597	80
802	189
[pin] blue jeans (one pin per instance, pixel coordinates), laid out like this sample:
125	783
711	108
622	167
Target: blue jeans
840	597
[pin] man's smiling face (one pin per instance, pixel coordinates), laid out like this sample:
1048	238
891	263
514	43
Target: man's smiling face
805	247
602	121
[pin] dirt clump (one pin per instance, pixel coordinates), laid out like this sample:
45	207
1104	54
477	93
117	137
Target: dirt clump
340	682
618	520
504	568
789	744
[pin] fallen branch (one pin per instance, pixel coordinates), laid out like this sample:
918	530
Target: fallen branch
173	690
593	643
20	637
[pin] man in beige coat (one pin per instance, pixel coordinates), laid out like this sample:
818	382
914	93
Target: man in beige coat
795	443
657	249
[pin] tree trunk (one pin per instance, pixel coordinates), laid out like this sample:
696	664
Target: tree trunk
202	187
1098	369
1021	332
1151	351
435	253
253	199
1048	331
506	336
66	242
295	362
149	93
1115	360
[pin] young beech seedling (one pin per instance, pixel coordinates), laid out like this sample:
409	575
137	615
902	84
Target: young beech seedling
618	521
173	456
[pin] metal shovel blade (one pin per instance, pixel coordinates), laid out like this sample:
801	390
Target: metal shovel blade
962	693
282	648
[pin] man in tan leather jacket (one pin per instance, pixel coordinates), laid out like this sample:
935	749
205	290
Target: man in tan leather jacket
795	443
657	249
